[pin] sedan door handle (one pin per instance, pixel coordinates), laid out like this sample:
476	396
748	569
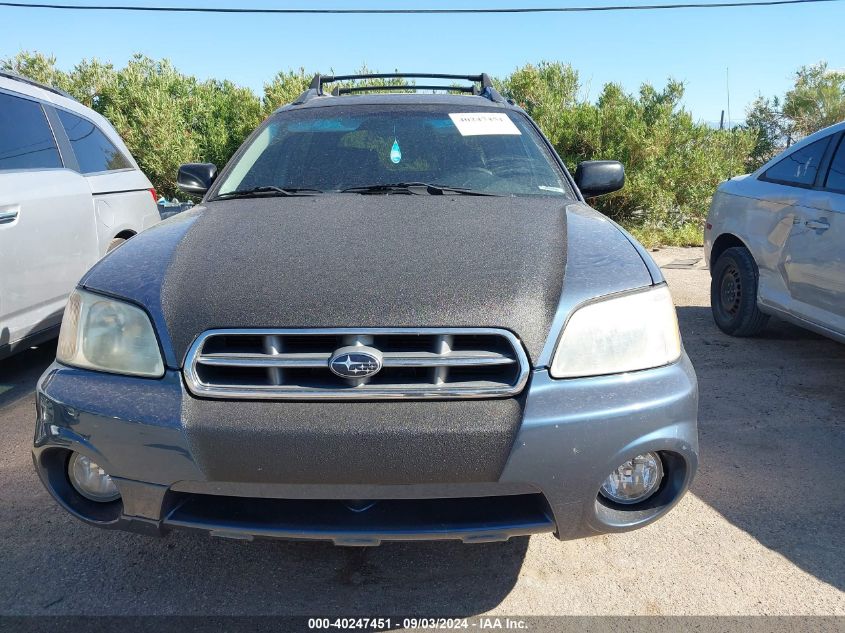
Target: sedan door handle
817	225
7	217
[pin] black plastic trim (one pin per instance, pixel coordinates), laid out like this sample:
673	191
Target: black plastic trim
356	522
61	138
319	80
343	91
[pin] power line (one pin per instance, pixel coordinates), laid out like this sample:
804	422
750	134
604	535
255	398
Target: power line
588	9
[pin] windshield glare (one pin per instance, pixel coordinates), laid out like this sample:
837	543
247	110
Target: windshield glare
343	147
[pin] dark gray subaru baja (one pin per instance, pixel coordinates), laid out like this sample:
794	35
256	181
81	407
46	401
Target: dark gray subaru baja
392	317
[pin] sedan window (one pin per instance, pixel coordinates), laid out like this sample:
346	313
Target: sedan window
836	175
801	167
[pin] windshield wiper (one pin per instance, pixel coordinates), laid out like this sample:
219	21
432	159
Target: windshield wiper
417	188
268	191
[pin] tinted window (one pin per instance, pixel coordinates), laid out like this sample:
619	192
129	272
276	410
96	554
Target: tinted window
26	140
94	151
341	147
801	166
836	175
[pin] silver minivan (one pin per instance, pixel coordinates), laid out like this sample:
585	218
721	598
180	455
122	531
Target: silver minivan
70	191
775	241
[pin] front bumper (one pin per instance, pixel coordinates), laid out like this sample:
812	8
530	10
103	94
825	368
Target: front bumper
572	434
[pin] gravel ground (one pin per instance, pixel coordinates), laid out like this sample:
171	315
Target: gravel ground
759	534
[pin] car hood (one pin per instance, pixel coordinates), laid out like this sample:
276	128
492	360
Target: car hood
347	261
368	261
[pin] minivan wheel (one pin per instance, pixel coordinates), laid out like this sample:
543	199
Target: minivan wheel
115	243
733	294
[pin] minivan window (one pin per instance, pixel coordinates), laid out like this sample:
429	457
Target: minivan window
26	140
800	167
836	175
343	147
94	151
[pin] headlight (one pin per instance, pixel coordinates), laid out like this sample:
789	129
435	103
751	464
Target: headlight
619	334
108	335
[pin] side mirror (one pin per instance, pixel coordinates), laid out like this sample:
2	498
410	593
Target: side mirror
598	177
196	178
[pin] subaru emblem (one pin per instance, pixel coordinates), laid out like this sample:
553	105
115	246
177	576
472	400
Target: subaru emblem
355	362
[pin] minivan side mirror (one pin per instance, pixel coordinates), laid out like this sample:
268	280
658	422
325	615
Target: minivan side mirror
598	177
196	178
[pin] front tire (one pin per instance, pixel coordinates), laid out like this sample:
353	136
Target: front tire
733	294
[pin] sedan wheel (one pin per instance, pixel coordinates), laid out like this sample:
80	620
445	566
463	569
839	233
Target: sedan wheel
733	294
730	295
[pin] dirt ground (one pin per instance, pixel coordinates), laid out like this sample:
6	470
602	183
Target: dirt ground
759	534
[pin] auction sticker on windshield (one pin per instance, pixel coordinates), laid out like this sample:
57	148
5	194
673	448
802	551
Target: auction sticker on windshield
483	123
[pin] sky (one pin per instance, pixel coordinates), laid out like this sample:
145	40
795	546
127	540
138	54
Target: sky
757	49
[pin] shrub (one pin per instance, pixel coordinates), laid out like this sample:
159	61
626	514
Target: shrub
672	163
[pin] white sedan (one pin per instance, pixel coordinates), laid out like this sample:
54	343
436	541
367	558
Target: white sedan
775	241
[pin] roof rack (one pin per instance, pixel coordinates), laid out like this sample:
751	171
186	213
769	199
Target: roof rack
486	85
344	91
8	74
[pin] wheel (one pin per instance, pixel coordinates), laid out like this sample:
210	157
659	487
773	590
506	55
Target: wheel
114	244
733	294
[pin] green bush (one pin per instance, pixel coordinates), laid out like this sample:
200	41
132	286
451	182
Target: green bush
672	163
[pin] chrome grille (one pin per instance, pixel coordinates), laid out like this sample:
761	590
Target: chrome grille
415	363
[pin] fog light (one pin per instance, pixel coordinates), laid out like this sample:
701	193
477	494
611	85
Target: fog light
91	481
635	480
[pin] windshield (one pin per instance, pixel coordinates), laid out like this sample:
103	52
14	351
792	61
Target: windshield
362	146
